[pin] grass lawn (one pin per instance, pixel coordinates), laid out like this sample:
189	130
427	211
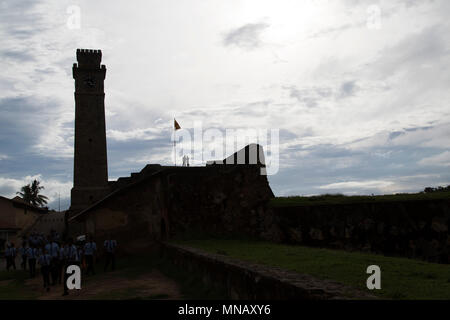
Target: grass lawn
342	199
400	278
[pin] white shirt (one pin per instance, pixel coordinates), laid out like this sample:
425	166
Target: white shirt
45	259
110	245
53	249
10	252
32	253
72	253
90	248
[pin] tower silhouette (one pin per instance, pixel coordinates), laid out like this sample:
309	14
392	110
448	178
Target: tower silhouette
90	176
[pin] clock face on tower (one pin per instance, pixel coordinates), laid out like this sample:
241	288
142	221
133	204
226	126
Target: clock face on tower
89	82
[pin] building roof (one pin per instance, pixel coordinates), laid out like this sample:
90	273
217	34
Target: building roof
19	202
115	192
241	157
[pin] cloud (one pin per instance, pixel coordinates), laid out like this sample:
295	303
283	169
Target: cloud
38	127
53	188
309	97
352	104
386	185
358	185
426	137
335	31
136	134
247	36
20	56
442	159
312	97
348	88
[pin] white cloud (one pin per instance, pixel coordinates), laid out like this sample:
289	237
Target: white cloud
341	84
53	187
136	134
387	185
442	159
359	185
247	36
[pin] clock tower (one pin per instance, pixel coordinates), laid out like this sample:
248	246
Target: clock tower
90	176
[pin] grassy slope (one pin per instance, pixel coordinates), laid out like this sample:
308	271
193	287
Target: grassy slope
342	199
400	278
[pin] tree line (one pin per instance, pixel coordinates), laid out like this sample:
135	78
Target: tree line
437	189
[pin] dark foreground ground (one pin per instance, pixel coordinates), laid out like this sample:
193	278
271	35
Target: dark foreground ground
135	278
150	277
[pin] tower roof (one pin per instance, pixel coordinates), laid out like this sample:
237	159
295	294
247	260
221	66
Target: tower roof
88	58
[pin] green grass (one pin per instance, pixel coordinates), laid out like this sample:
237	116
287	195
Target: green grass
400	278
342	199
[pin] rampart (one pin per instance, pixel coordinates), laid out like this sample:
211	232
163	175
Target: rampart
249	281
415	229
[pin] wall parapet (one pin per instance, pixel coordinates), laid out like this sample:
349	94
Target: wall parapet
414	229
249	281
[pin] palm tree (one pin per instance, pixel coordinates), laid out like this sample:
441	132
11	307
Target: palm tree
30	194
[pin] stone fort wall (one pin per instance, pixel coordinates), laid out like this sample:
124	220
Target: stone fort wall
250	281
179	202
414	229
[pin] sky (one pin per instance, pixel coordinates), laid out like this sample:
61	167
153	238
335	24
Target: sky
358	90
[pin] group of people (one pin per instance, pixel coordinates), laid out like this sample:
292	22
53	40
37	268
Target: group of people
185	161
54	256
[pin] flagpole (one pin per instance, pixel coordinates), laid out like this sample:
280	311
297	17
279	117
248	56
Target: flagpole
174	143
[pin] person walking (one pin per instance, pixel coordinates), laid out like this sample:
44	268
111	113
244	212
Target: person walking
10	254
81	260
90	248
32	254
45	261
53	250
62	261
110	251
23	254
72	258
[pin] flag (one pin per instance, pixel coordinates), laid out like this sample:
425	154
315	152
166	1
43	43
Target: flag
176	125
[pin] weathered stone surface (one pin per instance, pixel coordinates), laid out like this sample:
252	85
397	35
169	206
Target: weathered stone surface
182	202
90	177
415	229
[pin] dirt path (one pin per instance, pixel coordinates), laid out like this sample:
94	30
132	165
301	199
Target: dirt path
115	286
